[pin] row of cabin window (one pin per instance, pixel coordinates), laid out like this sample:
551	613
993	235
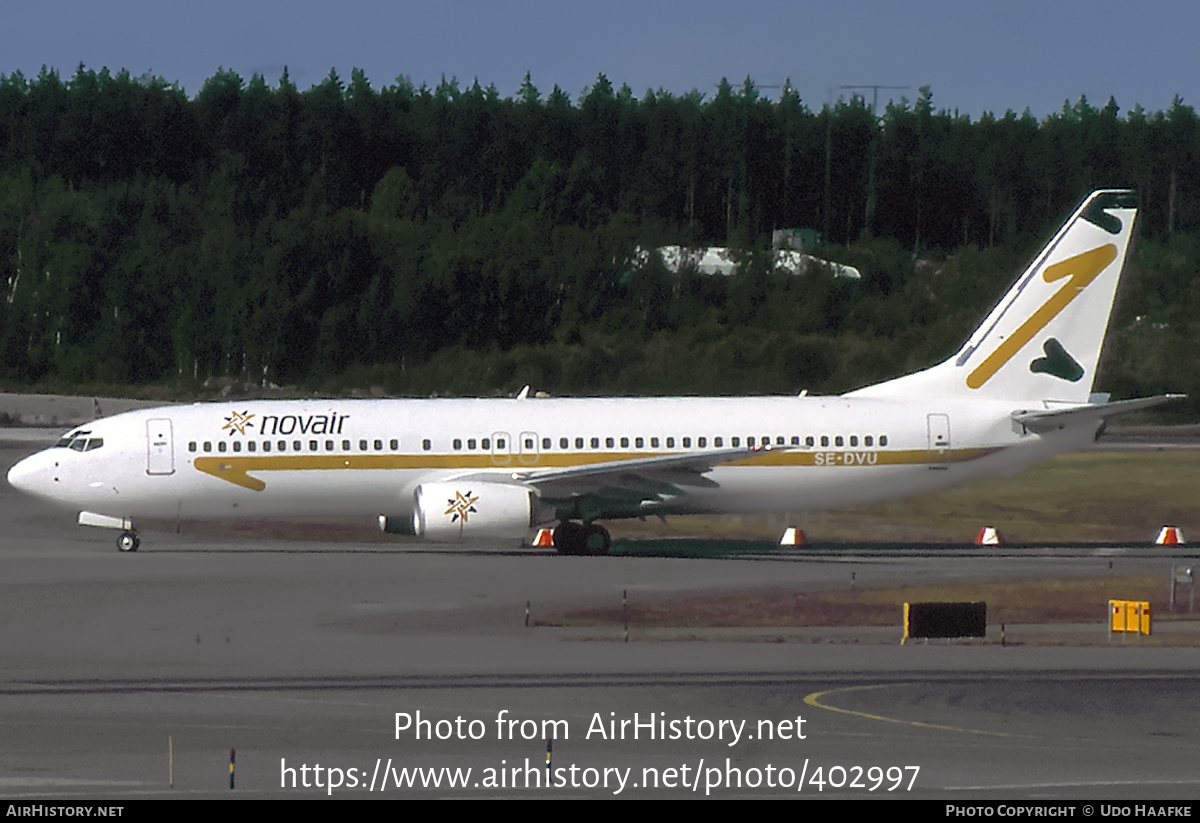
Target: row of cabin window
297	445
686	442
837	441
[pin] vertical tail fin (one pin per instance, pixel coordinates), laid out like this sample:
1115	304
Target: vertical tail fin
1042	341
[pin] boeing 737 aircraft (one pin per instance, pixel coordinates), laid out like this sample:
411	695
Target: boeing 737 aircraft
1019	391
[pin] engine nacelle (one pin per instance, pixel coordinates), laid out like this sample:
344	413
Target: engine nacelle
456	512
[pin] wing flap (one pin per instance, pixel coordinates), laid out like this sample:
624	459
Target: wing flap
644	477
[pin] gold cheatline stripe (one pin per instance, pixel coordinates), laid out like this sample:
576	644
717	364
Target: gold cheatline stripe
235	469
1080	270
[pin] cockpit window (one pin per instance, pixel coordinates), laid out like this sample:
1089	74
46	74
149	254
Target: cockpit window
79	441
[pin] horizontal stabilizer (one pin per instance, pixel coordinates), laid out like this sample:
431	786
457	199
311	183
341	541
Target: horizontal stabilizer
1052	419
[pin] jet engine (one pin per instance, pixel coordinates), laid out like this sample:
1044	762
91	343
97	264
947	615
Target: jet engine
456	512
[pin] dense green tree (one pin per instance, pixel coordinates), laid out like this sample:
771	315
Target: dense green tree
434	238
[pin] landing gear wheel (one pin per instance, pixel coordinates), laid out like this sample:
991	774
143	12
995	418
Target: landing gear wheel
596	539
580	538
128	542
568	538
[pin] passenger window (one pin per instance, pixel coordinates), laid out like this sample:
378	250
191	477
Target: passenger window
395	444
266	446
654	442
624	442
297	446
735	441
547	443
701	441
426	445
564	443
717	441
687	442
779	441
609	443
670	442
362	445
207	446
345	445
595	442
328	445
824	440
839	441
637	442
471	443
251	445
809	441
750	442
457	444
378	445
528	444
281	446
501	443
192	446
485	443
312	445
237	445
883	439
579	442
795	440
868	440
854	440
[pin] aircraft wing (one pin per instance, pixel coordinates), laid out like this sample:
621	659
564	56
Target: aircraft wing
643	477
1047	420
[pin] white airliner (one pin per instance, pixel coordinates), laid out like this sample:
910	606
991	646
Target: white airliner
1018	391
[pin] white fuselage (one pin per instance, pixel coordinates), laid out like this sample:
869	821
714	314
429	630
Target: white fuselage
325	458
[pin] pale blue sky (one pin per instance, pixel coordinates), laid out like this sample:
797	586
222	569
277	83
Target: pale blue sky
976	56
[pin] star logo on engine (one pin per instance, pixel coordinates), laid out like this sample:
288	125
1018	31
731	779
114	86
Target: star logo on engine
460	506
239	422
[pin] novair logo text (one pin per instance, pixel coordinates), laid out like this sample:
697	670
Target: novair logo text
302	423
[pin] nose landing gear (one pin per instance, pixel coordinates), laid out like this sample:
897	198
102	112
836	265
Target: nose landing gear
128	541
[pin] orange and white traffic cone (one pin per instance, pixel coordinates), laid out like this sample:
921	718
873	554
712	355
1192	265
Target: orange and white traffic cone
989	536
1170	536
793	537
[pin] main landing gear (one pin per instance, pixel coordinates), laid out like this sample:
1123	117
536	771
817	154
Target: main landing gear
128	541
581	538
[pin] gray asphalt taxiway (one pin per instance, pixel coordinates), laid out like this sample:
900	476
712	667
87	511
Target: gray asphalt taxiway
349	668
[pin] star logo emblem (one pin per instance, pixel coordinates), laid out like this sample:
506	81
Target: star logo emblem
460	506
239	422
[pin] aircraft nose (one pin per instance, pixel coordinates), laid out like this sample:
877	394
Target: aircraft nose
18	475
29	475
